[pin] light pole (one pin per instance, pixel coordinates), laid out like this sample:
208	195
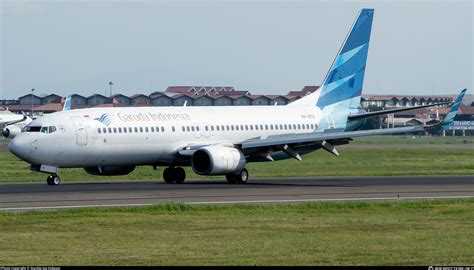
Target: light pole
110	88
32	91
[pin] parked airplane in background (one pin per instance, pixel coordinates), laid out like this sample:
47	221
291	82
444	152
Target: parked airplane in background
213	140
11	124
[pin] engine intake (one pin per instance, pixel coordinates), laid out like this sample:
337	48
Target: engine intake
11	132
109	170
217	160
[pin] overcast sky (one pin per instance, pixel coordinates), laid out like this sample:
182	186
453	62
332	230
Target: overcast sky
267	47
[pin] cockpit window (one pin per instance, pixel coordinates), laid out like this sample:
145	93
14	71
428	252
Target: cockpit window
32	129
46	130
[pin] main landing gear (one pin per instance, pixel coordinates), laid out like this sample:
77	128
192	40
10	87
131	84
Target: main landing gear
174	175
238	178
53	180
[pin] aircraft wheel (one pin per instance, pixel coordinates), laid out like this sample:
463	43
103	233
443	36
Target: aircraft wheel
53	180
49	180
168	175
242	177
179	175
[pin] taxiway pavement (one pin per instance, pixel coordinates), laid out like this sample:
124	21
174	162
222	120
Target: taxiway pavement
39	196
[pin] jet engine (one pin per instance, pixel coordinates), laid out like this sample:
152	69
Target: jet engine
109	170
217	160
11	131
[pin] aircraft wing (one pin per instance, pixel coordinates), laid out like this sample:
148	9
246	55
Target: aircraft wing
375	113
5	124
325	136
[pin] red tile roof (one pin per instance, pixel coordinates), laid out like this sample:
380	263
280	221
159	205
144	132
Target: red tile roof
178	89
19	107
51	107
309	88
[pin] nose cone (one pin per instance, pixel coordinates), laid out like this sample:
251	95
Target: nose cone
20	146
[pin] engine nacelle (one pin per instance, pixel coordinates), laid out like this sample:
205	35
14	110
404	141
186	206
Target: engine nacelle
217	160
109	170
11	131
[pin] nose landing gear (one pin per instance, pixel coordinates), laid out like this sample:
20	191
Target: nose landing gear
174	175
53	180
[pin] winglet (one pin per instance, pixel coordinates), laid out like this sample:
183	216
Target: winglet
67	104
449	118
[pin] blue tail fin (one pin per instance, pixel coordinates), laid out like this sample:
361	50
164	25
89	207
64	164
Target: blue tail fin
449	118
67	104
343	82
346	76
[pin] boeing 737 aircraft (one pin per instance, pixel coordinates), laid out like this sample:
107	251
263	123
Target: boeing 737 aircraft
212	140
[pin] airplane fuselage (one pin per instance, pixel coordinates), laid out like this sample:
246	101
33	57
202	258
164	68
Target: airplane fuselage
152	135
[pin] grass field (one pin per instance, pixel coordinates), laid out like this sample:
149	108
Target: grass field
345	233
389	160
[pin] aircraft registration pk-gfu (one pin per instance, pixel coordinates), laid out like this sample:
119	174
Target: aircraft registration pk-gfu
213	140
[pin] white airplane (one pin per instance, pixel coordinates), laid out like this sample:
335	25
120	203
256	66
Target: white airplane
11	124
212	140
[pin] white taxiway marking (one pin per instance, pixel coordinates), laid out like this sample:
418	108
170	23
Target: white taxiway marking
235	202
